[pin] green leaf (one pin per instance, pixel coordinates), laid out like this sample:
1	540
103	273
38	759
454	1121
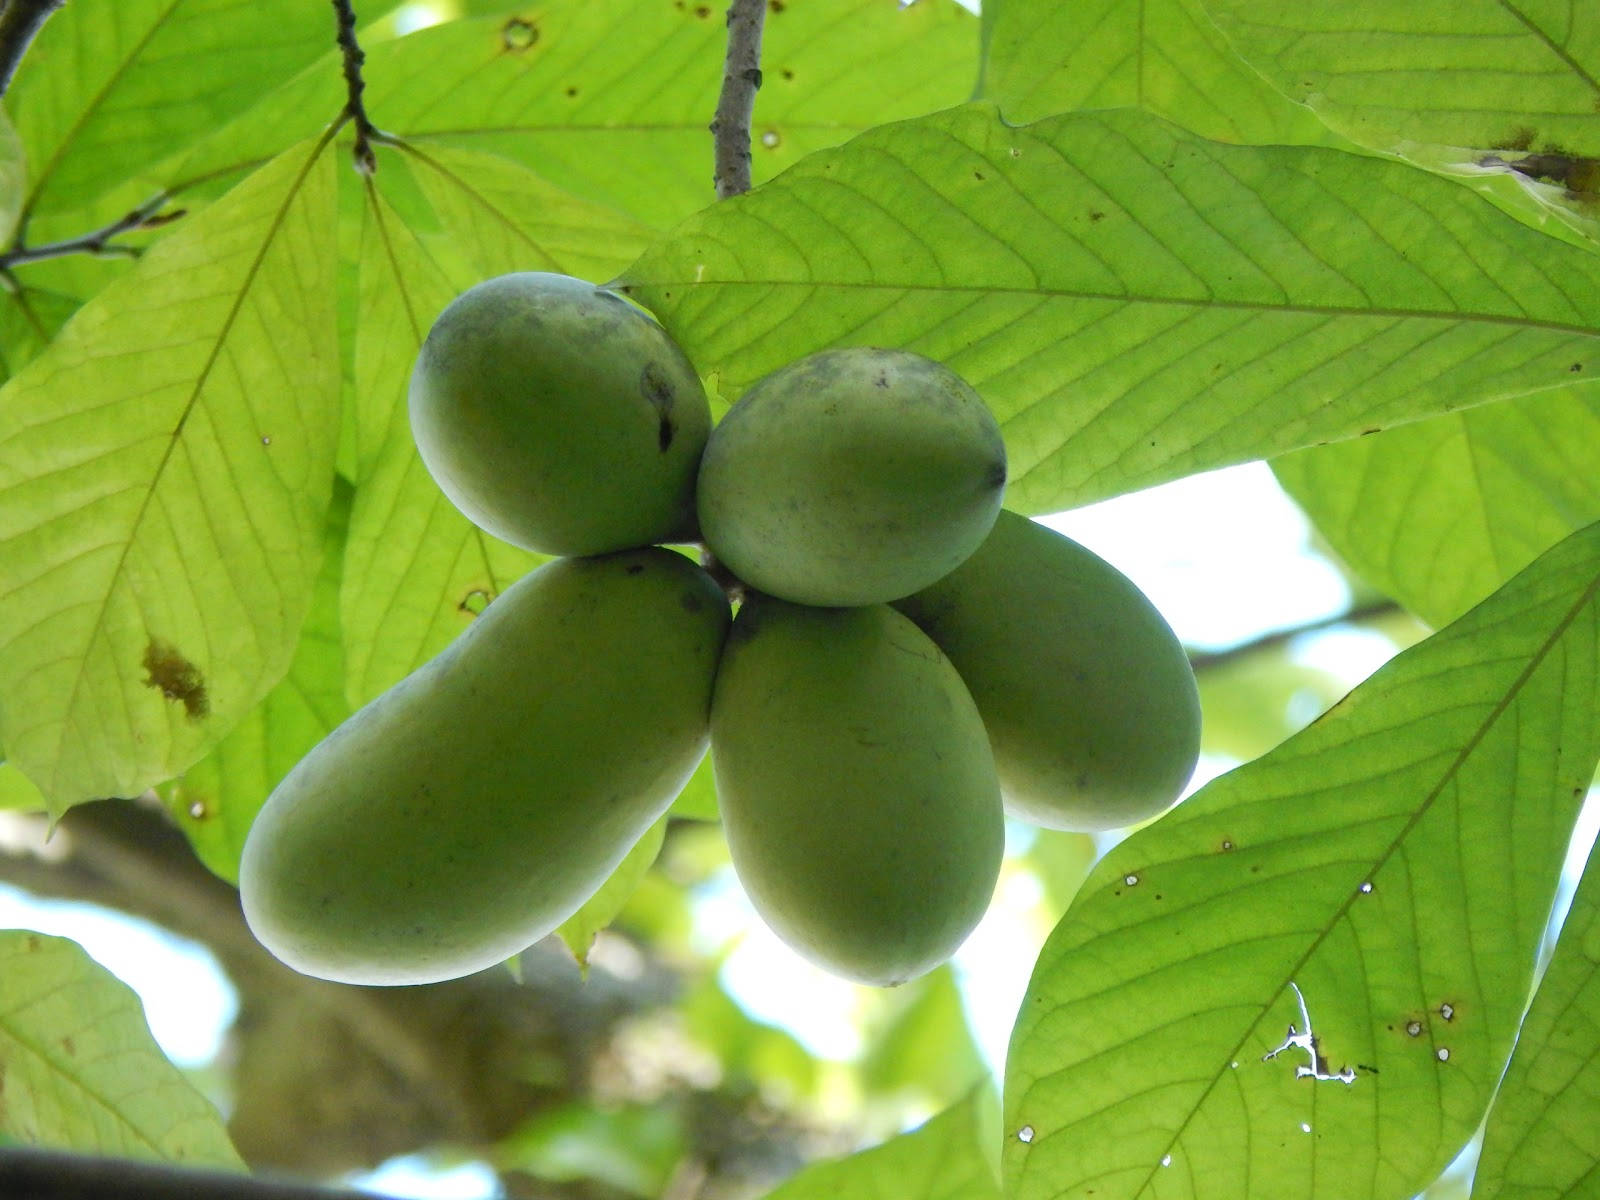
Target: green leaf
17	791
13	178
1439	513
1469	73
926	1045
79	1069
1043	57
29	318
438	221
165	471
215	801
580	929
1542	1141
1393	864
944	1159
698	800
611	101
632	1149
107	92
1135	303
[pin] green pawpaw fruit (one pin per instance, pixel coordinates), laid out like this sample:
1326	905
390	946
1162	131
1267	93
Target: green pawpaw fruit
559	417
857	788
473	807
1087	694
851	477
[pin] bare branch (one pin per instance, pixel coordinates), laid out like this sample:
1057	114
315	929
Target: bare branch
20	21
55	1175
741	78
1354	616
354	110
146	216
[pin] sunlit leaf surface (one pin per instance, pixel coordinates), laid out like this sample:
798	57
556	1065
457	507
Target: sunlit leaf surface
215	800
942	1160
1391	868
165	470
108	90
1043	57
580	929
1542	1140
1176	304
80	1069
1467	73
1439	513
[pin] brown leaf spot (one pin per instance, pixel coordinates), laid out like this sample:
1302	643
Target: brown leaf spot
69	1047
176	678
518	35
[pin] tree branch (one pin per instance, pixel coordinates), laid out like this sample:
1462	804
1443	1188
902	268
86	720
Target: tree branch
20	21
741	78
57	1175
1362	612
147	216
354	109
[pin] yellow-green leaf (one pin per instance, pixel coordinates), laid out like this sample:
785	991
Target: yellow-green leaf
79	1069
165	472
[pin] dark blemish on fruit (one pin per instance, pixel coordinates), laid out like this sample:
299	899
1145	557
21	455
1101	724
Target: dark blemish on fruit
786	73
571	92
664	433
635	568
882	380
1575	368
1095	217
176	678
656	387
692	602
518	34
996	476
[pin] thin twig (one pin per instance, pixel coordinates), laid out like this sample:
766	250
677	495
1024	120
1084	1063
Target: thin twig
741	78
56	1175
147	216
354	109
20	20
1354	616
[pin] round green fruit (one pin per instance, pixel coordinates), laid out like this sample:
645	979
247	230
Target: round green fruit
857	788
474	807
851	477
1087	694
559	417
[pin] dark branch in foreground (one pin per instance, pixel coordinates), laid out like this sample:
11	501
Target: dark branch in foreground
354	110
54	1175
20	21
146	216
741	78
1353	616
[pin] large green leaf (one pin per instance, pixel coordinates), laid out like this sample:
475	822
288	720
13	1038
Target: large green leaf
1542	1141
580	929
1439	513
29	318
79	1069
438	220
109	90
1043	57
944	1159
13	178
1135	303
611	101
1467	73
215	801
165	471
1393	864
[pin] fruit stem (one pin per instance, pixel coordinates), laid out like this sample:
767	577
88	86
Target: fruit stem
741	78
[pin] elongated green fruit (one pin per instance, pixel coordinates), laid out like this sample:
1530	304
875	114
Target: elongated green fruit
473	807
1086	692
857	788
559	417
851	477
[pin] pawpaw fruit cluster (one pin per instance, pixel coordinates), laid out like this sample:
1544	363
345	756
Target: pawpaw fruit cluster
908	662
